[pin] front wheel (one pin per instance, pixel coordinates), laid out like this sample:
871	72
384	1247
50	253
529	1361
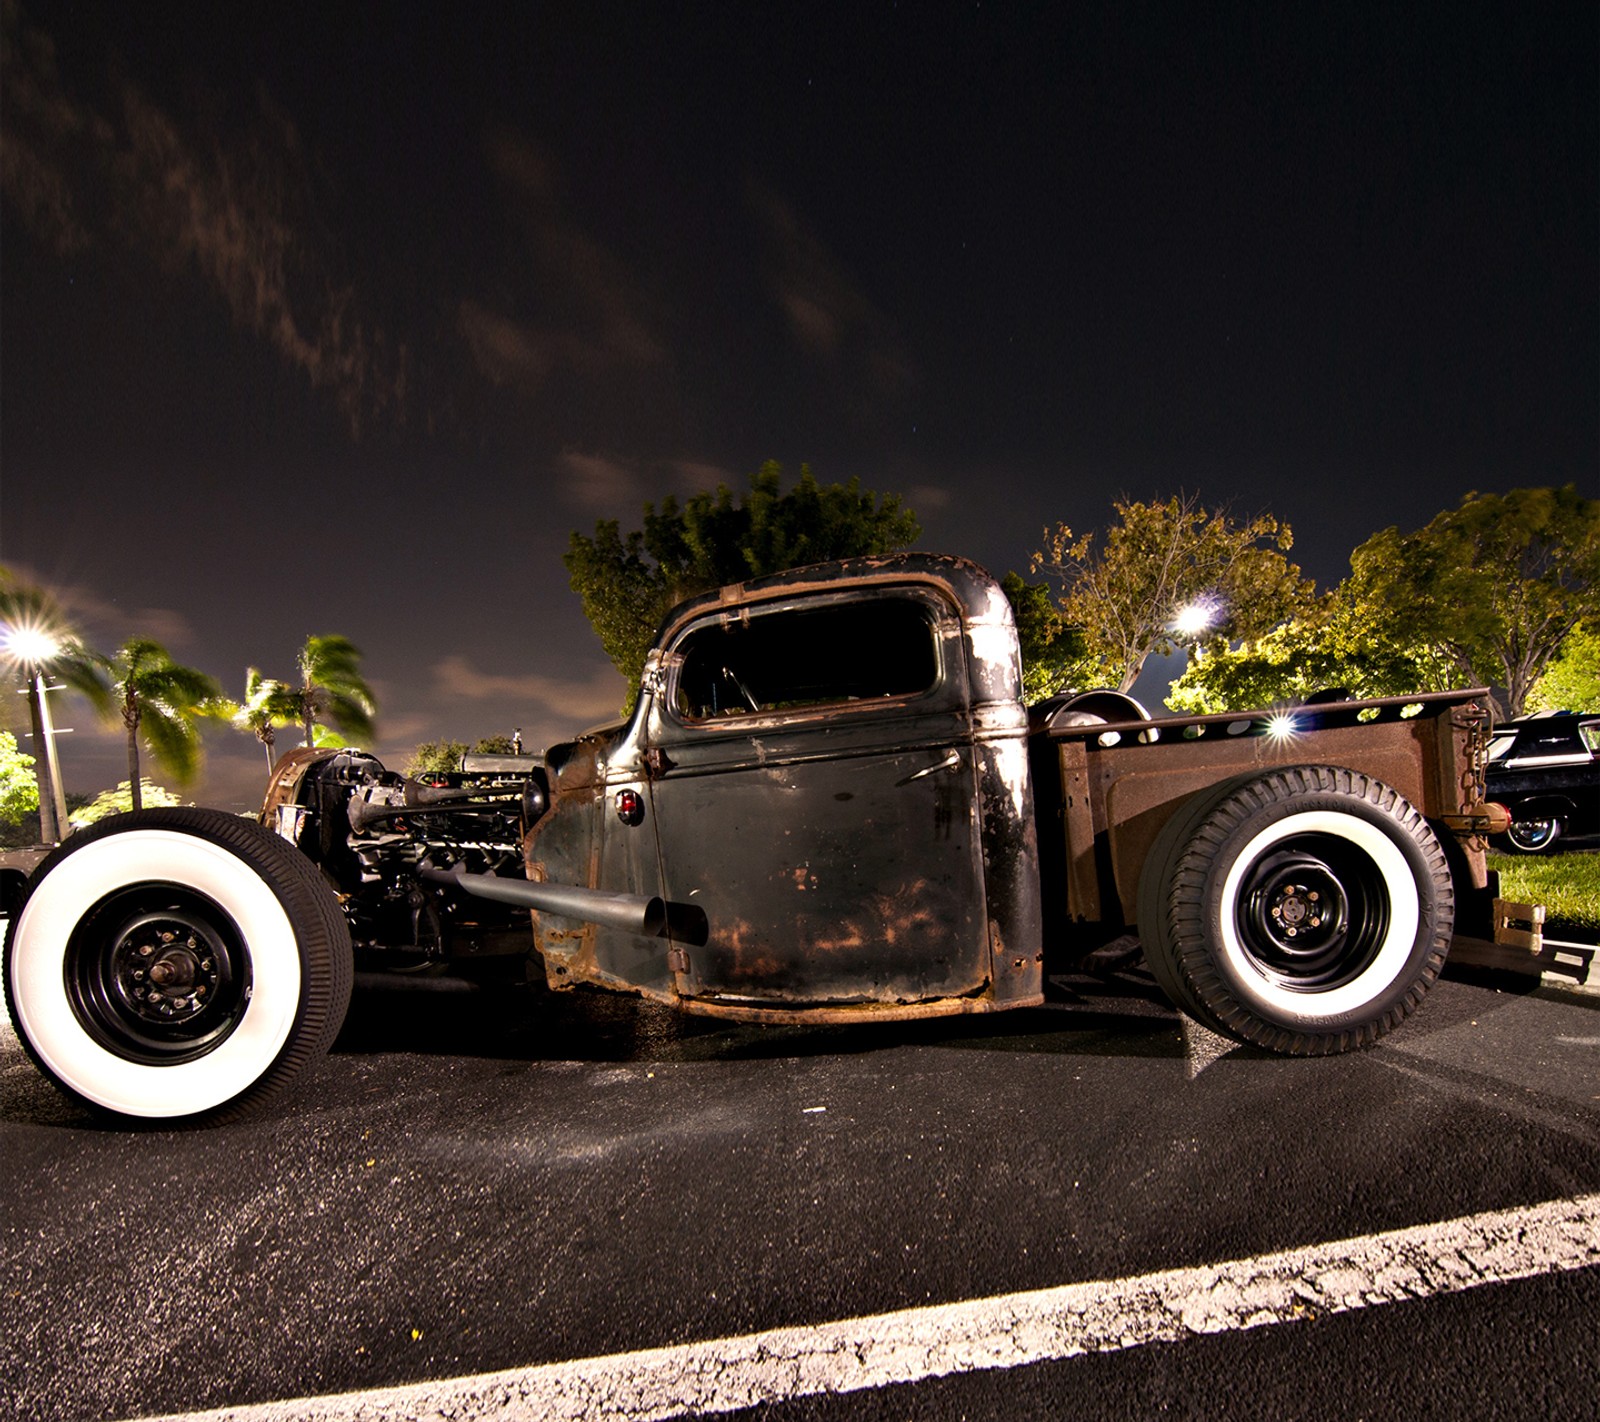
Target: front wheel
176	964
1306	910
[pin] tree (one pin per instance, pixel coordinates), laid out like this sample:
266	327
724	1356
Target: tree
332	689
159	701
38	641
436	758
1494	586
1163	562
19	789
1572	681
444	757
1335	644
627	584
268	704
121	800
1053	655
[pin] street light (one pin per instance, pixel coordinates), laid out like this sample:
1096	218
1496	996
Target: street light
33	647
1194	619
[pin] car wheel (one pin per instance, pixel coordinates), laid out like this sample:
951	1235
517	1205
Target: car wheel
1535	835
1307	910
176	965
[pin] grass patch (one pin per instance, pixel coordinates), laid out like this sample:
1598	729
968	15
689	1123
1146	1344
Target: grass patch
1568	885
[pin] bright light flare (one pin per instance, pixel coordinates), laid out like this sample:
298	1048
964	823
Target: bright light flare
1281	727
29	644
1194	619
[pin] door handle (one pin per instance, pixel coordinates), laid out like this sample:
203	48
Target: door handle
950	762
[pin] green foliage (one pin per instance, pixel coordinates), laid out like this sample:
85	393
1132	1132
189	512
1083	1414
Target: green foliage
443	757
268	705
627	584
332	689
1572	680
436	757
160	701
1568	885
1125	593
1334	644
19	791
120	800
1053	654
1494	586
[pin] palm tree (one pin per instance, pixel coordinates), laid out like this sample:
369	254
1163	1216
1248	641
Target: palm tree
268	703
161	699
331	688
37	639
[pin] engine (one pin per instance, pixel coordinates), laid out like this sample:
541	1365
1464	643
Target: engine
375	833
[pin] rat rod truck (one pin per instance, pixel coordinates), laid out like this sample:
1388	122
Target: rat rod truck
830	804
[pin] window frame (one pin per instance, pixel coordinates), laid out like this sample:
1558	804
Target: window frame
939	617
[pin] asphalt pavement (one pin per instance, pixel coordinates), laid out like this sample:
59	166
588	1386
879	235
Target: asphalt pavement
470	1184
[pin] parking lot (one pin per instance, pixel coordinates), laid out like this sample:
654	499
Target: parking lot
473	1186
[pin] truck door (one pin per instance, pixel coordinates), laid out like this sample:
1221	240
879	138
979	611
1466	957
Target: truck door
813	790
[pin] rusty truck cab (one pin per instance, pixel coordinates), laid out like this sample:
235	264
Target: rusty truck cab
826	779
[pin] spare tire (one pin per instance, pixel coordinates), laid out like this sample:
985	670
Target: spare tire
1306	910
176	965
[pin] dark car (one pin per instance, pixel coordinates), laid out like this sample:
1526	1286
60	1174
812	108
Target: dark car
1545	769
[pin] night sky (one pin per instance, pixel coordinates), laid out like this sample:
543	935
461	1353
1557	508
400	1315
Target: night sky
341	318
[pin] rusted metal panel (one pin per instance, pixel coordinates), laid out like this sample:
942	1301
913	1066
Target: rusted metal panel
1121	784
874	855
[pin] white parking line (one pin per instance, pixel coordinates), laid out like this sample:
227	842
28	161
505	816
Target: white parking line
1009	1331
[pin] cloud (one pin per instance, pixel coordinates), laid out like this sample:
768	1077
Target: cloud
613	487
235	208
598	484
585	311
596	697
694	476
828	315
506	353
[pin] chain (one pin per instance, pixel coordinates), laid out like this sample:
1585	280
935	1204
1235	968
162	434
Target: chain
1478	722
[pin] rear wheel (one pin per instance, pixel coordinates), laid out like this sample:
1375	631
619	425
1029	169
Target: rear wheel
176	964
1534	834
1306	910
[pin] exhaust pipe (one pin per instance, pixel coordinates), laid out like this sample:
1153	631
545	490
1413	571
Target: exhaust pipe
632	913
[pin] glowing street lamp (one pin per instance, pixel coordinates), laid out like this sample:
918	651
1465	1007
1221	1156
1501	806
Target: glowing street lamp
1194	619
33	648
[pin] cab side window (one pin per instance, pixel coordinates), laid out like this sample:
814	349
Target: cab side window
792	659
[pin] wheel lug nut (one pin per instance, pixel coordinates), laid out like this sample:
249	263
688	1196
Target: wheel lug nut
153	997
146	949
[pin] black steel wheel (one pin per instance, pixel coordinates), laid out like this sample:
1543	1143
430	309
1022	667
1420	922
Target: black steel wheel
176	965
1306	910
